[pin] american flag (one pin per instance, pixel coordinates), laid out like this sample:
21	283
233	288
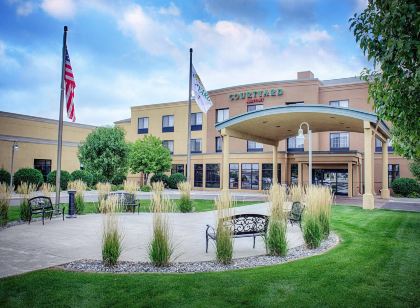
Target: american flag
70	85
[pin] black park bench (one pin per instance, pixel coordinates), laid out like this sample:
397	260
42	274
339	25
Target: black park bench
42	205
243	225
126	200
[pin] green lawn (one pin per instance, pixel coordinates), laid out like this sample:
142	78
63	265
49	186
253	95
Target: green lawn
377	264
90	207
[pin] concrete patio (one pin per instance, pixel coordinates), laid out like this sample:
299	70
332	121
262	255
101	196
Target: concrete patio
25	248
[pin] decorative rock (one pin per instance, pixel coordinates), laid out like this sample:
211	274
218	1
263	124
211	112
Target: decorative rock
204	266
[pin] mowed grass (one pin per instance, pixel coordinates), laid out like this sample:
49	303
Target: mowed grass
90	207
376	264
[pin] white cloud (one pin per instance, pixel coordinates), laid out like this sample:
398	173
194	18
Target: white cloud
60	9
25	8
312	35
172	10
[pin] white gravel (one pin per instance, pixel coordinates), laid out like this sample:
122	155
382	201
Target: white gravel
204	266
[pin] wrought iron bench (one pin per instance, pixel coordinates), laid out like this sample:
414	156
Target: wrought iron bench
296	213
126	200
42	205
244	225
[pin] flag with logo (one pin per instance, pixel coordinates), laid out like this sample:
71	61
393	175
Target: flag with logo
202	98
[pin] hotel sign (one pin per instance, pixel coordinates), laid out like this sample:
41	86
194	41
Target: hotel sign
254	96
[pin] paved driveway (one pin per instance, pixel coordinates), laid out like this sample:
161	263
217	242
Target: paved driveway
26	248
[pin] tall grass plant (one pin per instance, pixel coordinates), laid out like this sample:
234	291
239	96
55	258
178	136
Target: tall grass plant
26	190
276	238
224	240
112	237
185	203
5	195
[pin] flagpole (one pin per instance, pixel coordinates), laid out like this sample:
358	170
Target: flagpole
189	124
60	122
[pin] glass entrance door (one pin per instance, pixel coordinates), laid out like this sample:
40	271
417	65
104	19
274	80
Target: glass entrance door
337	179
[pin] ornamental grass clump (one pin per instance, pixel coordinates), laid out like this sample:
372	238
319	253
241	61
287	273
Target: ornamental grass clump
185	204
317	218
5	194
79	186
160	247
224	240
276	240
130	186
26	190
112	237
296	193
47	189
103	190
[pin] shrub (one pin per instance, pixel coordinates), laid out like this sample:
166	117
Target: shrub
4	203
28	175
276	241
65	178
79	186
83	175
4	176
118	179
185	203
146	188
160	247
174	179
97	178
405	186
26	190
415	169
117	187
111	239
160	177
224	240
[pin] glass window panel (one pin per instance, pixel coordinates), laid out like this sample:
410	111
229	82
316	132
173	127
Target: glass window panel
233	176
250	176
212	175
198	175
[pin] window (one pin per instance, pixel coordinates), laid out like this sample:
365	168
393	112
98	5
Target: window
294	103
233	176
222	115
195	146
378	145
339	141
295	144
167	124
143	126
169	144
253	146
393	173
212	176
254	107
250	176
197	121
177	168
219	144
294	173
341	104
267	175
198	175
43	165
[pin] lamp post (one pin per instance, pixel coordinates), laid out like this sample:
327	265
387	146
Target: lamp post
15	147
300	134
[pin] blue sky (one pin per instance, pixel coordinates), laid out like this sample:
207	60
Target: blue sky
126	53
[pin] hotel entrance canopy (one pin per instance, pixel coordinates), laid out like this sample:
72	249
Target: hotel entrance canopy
271	125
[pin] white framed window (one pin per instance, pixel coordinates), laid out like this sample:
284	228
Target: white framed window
340	103
222	115
219	144
195	146
143	125
169	144
197	118
167	123
339	141
253	146
254	107
295	143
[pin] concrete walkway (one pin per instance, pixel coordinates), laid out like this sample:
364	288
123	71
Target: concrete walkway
25	248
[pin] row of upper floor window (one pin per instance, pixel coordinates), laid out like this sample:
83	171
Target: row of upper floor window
339	141
222	114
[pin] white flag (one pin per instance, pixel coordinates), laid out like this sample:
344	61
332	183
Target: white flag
202	98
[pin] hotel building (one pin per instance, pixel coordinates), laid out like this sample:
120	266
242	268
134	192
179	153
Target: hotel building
337	155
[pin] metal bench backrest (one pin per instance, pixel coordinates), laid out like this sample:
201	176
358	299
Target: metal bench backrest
123	197
297	210
247	224
39	203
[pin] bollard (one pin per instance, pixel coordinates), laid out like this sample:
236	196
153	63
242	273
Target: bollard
72	204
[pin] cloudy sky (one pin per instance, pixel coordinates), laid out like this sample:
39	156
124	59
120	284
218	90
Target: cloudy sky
127	52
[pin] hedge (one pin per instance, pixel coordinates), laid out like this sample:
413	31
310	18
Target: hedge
174	179
65	177
4	176
405	186
83	175
28	175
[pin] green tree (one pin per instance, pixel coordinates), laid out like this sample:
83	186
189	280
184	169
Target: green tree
105	153
388	32
149	156
415	169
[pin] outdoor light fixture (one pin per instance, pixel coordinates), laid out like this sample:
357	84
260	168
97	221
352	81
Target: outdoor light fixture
300	135
15	147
